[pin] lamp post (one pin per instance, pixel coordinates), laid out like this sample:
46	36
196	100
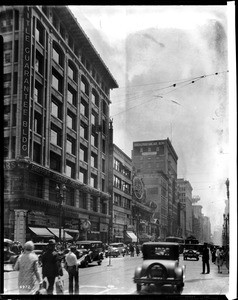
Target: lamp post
61	196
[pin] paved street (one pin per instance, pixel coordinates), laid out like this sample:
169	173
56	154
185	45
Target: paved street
116	278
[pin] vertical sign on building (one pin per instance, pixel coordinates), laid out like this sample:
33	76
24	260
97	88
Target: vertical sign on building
26	82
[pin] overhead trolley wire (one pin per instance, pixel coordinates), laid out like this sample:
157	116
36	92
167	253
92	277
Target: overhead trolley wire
175	86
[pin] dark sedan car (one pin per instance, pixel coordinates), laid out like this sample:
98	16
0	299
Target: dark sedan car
160	266
90	251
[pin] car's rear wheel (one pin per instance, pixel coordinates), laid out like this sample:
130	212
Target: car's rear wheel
138	287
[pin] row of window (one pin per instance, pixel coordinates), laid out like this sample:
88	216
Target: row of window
121	201
35	188
121	184
121	168
71	41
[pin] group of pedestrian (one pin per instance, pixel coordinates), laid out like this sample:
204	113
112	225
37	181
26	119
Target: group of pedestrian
134	249
219	256
30	280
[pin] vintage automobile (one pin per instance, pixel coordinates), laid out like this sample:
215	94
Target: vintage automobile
90	251
112	251
190	253
120	247
160	266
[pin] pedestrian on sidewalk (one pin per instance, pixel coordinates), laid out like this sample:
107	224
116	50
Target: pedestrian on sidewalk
205	259
219	259
51	266
72	269
27	265
132	250
137	250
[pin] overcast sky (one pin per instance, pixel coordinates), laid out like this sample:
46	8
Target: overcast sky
159	56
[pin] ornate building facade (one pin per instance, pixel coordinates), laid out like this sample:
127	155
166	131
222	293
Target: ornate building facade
56	126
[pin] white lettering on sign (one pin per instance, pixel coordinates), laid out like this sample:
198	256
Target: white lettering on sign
26	82
148	144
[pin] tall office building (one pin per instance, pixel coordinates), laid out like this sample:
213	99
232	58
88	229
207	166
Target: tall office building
56	124
186	208
156	163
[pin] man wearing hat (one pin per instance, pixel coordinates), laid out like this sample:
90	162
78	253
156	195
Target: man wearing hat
72	268
51	265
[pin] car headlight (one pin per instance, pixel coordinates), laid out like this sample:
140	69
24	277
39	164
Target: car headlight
157	271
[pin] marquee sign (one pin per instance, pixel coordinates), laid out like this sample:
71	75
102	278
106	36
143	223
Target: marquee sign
26	82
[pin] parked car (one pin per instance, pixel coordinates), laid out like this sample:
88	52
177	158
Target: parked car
39	249
160	266
90	251
190	253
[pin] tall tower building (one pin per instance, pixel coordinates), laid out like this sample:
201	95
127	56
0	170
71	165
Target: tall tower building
156	163
56	124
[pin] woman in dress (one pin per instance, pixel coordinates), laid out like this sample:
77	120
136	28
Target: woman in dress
27	265
219	258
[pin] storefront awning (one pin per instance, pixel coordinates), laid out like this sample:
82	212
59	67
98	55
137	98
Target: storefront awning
71	230
55	231
132	236
41	231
